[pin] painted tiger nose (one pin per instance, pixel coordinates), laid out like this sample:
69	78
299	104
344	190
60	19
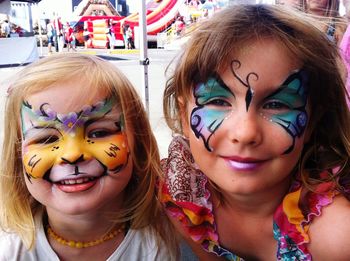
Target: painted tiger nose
74	161
73	151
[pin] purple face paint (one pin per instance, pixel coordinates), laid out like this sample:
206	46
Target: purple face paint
289	101
211	110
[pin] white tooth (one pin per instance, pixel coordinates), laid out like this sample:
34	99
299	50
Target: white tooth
71	181
79	181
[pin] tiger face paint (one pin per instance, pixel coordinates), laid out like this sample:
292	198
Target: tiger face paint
93	134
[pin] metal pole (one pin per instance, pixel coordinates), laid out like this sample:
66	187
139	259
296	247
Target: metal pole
56	26
40	33
144	61
30	17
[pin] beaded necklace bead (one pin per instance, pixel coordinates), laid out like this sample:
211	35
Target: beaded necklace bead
79	244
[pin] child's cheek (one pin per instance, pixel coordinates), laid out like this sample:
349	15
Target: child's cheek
112	152
205	122
37	161
293	123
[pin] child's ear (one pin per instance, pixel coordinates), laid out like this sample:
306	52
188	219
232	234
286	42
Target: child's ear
183	116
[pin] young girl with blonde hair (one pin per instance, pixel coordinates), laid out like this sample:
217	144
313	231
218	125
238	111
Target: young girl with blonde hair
79	166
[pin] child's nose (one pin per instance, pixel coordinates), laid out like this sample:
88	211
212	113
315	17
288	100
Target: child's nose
73	152
245	129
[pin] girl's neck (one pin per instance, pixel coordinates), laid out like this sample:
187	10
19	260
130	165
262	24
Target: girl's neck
93	240
84	227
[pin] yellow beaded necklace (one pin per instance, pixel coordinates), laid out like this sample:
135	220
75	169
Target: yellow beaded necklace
79	244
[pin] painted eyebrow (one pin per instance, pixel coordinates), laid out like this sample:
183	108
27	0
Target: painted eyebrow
107	116
283	85
40	128
274	92
221	83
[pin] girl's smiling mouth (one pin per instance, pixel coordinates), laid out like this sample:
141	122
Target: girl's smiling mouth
244	164
76	185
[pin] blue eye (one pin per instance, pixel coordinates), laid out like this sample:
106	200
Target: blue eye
276	105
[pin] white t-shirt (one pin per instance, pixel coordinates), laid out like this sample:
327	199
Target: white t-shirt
137	245
5	28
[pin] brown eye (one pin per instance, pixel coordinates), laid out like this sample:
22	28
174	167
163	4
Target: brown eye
46	140
218	102
275	105
100	134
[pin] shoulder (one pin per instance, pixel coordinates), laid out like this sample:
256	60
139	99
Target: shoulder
331	229
7	239
12	247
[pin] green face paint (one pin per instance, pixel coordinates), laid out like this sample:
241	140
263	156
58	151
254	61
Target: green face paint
291	100
205	119
287	103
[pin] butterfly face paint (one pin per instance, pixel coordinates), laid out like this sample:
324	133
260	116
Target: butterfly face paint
206	119
208	115
249	94
95	133
291	97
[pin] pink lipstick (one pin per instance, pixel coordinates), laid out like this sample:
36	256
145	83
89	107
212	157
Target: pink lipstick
244	164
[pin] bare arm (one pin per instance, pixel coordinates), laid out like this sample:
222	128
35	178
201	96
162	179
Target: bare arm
330	232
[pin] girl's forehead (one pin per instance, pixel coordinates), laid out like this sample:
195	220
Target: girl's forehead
44	116
65	97
264	53
262	64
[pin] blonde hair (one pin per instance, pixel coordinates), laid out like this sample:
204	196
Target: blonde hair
228	32
141	207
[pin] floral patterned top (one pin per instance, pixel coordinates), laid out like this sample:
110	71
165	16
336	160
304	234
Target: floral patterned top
186	198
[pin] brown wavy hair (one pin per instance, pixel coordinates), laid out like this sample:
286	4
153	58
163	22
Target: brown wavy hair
211	47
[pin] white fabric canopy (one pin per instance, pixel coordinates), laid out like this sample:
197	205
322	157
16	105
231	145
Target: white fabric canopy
5	7
18	50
